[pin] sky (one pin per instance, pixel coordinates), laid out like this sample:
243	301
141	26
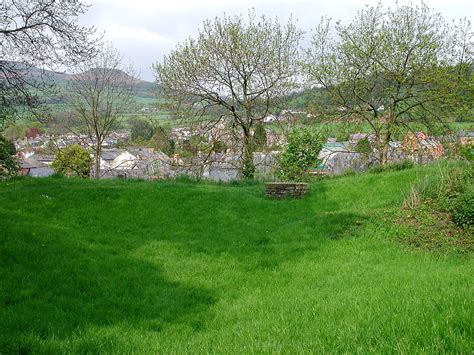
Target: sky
145	30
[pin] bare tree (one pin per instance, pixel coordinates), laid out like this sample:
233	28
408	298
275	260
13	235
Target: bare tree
235	70
40	33
99	94
391	69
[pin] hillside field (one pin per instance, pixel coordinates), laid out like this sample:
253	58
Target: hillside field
173	267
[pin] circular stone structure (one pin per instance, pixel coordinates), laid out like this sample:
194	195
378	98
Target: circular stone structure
279	190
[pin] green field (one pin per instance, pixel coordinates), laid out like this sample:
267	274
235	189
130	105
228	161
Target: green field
175	267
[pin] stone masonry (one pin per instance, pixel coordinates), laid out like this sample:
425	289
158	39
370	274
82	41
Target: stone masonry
279	190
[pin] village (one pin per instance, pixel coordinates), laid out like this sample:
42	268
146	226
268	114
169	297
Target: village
120	159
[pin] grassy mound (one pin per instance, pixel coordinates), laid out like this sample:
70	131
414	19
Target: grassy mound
130	266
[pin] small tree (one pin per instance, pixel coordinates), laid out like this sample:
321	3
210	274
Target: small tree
8	163
99	94
140	129
236	70
73	160
300	154
392	69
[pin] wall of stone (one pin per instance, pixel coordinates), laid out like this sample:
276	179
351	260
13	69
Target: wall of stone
279	190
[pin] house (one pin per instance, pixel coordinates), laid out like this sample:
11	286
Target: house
117	159
46	159
34	168
421	148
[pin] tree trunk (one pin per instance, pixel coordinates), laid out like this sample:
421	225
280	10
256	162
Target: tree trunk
248	167
383	153
383	144
98	153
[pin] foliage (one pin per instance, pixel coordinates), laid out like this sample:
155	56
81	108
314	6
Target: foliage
363	146
140	129
219	76
14	132
463	213
73	160
466	151
392	68
447	188
186	275
300	154
8	163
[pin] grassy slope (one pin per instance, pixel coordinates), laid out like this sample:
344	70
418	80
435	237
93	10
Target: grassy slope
124	266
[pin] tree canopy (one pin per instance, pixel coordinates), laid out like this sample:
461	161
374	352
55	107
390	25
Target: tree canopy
235	70
391	68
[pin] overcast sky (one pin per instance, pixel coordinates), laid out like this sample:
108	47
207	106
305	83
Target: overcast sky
146	30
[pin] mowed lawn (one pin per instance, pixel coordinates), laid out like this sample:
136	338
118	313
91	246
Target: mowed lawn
174	267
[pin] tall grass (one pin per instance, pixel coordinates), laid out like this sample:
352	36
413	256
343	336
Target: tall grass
186	267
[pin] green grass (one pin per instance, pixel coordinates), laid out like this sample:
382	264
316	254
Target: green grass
175	267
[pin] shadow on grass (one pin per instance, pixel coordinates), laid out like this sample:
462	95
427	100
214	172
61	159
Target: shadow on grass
54	286
67	264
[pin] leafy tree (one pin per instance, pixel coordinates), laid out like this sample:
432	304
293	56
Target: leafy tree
8	162
391	69
41	33
99	94
73	160
14	132
140	129
300	154
234	70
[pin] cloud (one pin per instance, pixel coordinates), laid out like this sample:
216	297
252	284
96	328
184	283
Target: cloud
145	30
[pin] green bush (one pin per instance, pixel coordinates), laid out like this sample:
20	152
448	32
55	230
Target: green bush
140	129
73	160
466	152
463	214
8	163
363	146
300	154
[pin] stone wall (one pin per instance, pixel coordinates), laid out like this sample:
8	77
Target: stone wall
278	190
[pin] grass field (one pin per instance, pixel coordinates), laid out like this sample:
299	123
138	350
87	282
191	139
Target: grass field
174	267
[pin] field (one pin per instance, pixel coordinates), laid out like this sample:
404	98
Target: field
175	267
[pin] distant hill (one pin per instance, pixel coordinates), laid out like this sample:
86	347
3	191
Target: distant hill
143	88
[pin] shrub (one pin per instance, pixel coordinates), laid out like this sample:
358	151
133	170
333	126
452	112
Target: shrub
73	160
140	129
466	152
463	214
363	146
300	154
8	162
